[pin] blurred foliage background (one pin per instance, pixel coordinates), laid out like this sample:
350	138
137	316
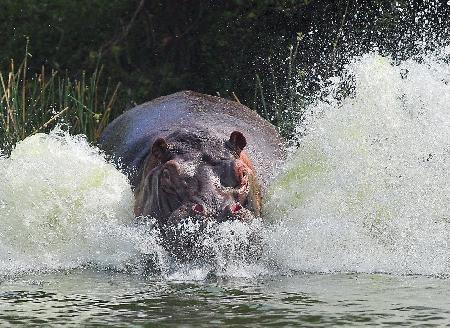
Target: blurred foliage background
271	55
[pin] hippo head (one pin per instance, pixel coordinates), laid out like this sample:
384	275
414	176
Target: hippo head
198	176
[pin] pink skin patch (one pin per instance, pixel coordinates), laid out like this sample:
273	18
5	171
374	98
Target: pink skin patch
198	209
235	208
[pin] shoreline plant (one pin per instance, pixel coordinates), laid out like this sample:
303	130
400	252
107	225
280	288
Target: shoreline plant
32	104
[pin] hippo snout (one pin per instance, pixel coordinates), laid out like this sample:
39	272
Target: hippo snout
235	211
202	212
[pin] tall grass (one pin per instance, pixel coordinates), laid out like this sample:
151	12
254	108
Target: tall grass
32	104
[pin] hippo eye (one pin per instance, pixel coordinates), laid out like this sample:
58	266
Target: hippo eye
206	158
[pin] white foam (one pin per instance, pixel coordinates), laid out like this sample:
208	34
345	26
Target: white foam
368	188
62	205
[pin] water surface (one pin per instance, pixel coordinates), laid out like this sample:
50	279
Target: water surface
98	298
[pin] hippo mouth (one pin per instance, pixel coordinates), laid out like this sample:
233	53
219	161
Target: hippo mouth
198	213
185	232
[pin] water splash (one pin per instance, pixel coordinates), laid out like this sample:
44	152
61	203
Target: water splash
63	206
368	188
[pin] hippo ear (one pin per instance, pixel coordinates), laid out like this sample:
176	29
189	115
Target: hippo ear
160	149
237	141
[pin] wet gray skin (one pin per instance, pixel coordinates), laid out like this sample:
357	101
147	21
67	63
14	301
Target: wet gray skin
194	156
195	175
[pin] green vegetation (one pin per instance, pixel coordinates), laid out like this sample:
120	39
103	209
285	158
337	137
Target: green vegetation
271	55
35	104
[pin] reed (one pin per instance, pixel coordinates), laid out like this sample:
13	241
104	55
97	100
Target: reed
32	104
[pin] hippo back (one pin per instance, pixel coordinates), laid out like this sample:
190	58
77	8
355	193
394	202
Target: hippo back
130	136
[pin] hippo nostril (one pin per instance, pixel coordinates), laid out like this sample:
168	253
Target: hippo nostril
199	209
235	208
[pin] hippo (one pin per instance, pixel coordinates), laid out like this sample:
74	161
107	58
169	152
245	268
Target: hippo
194	155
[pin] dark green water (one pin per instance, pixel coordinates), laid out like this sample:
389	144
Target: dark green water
95	299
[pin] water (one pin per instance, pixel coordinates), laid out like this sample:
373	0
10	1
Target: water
103	298
367	189
357	232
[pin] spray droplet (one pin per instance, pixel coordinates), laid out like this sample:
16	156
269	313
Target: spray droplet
367	188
